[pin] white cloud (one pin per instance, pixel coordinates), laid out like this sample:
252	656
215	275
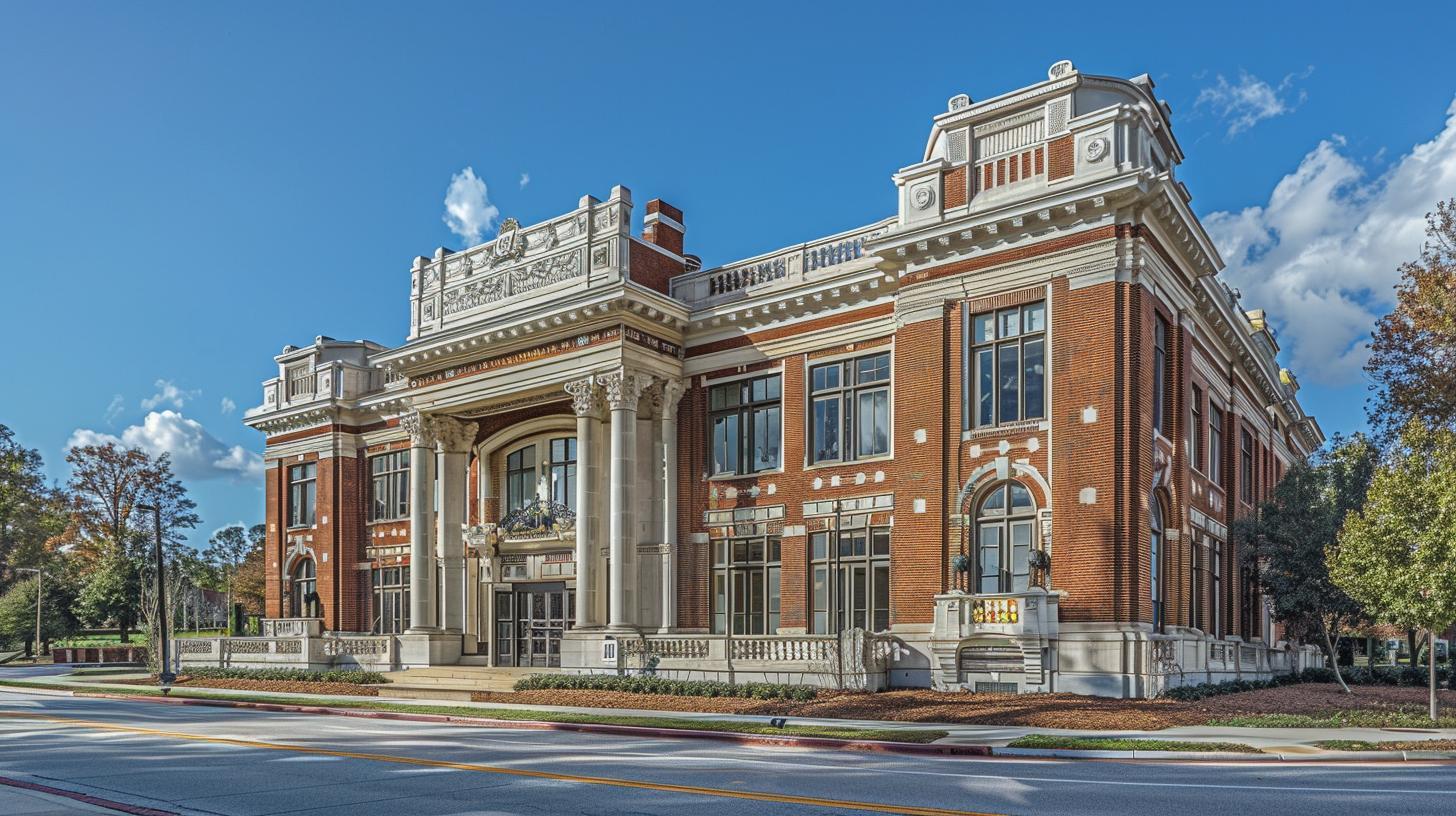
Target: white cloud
525	179
468	211
196	453
1251	100
113	411
1323	254
228	406
168	394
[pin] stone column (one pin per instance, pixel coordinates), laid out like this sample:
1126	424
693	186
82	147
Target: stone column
587	402
623	389
672	391
455	438
421	429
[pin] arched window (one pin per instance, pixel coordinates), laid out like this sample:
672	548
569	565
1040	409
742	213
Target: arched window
1005	535
304	594
1156	554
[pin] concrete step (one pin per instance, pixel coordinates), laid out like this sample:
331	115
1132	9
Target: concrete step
428	692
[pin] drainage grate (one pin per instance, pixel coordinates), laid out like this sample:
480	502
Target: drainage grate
987	687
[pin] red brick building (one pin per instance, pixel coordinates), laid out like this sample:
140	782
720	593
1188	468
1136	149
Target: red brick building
994	440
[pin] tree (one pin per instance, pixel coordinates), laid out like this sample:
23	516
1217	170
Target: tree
1289	536
1413	350
33	517
17	613
107	484
250	583
1397	555
226	550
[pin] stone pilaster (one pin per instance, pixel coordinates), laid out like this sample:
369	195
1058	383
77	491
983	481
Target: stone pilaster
588	402
623	388
421	430
455	438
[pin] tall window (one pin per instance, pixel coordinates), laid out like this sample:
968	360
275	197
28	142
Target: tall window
1156	547
1197	582
562	468
1195	429
1215	444
391	600
389	486
745	420
304	599
1160	376
1006	367
849	577
520	478
746	574
1246	466
1216	579
1005	529
849	413
302	494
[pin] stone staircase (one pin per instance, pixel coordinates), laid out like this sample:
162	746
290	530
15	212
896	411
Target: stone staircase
453	682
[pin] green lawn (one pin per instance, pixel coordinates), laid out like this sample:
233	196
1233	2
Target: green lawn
1354	718
1121	744
725	726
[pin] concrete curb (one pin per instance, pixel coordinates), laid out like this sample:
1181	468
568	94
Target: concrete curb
1225	756
922	749
121	807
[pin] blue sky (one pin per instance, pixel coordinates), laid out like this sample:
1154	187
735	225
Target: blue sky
184	188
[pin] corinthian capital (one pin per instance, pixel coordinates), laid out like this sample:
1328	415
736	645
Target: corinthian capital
623	388
455	436
586	397
671	394
420	427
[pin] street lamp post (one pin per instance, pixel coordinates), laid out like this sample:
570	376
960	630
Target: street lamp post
39	597
165	676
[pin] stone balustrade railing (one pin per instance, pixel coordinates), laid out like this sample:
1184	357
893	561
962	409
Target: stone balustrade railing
810	648
728	282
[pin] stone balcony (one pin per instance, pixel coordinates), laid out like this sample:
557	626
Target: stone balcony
1030	614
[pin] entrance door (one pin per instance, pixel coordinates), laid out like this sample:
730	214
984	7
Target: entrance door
530	620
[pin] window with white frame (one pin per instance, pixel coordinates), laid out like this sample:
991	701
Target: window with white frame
561	470
1161	377
849	579
746	575
302	494
1005	536
1215	443
389	486
520	478
1005	377
745	425
849	409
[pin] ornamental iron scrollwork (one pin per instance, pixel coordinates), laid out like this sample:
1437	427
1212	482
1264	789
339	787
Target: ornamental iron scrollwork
538	518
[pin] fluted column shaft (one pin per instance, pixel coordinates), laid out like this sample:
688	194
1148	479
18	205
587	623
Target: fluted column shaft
587	403
623	389
672	392
422	526
455	439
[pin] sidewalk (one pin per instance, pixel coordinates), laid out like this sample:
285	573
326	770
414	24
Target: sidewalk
1285	741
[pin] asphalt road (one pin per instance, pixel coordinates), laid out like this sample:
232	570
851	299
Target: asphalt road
198	760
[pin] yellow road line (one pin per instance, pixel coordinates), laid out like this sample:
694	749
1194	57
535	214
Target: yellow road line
908	810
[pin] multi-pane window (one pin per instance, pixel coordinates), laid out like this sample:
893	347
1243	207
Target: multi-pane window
389	486
1006	366
849	579
1246	466
1156	555
1215	570
746	573
391	600
1005	530
849	409
302	494
745	422
1195	426
1160	376
520	478
1197	582
562	471
303	594
1215	444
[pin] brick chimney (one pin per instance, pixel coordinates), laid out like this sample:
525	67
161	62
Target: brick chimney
663	225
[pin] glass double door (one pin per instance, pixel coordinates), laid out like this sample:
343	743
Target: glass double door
529	622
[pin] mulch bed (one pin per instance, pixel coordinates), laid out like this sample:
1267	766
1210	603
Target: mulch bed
286	686
1072	711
